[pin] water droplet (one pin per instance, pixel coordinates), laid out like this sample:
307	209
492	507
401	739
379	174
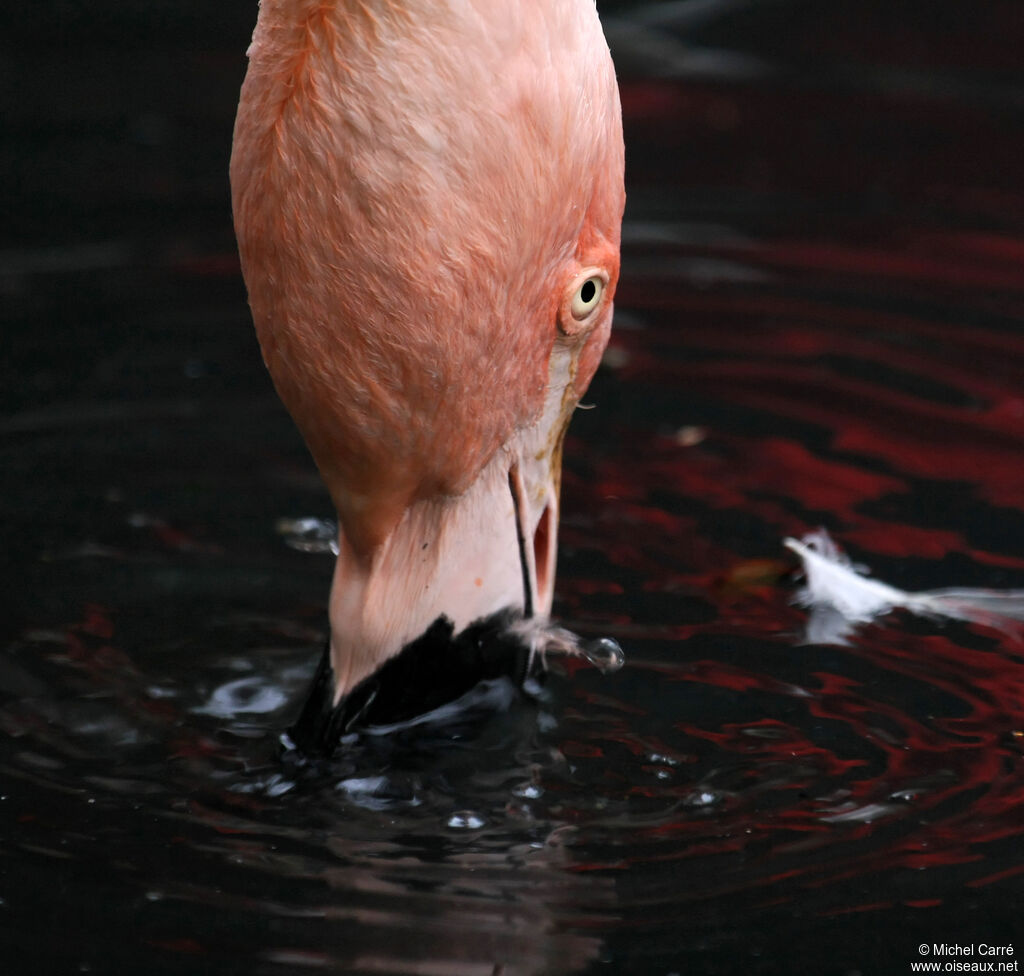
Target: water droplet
309	534
465	820
543	638
662	759
160	691
279	786
703	798
363	784
604	653
248	696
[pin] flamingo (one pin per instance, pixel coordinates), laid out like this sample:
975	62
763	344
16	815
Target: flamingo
428	199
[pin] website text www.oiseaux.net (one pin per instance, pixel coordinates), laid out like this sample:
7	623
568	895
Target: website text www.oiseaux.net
952	958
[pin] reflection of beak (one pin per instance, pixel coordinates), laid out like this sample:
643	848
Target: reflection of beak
463	558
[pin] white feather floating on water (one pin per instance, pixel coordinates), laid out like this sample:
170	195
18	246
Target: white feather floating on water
841	596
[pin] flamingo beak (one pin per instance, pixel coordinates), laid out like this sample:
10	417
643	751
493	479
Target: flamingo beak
426	618
481	559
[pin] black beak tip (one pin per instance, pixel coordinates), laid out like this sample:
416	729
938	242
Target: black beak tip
437	668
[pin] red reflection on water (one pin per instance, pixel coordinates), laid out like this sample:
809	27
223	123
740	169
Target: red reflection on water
846	369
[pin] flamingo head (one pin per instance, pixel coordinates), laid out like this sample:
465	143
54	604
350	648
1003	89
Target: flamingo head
428	200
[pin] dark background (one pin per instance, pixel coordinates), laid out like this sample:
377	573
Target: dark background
845	320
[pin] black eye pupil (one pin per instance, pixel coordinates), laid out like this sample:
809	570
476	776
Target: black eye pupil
588	291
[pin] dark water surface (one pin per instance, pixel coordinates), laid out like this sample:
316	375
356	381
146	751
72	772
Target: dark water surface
820	323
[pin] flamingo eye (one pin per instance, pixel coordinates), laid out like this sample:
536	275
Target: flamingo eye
587	297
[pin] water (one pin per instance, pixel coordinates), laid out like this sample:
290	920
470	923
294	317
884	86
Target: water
820	324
